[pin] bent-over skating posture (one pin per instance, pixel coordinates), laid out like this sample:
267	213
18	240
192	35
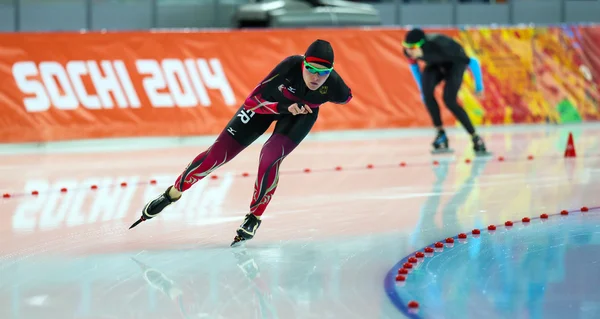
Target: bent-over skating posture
445	60
290	95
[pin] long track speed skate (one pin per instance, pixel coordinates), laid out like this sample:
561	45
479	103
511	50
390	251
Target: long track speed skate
441	144
155	206
479	147
247	230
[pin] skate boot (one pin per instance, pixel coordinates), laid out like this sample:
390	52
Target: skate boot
440	144
479	146
155	206
247	229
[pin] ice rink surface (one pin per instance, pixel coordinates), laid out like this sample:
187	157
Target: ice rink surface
331	242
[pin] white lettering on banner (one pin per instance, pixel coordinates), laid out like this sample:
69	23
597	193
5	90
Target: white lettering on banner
154	82
76	69
107	84
175	73
55	78
181	80
197	82
51	84
216	79
21	72
167	83
132	96
52	209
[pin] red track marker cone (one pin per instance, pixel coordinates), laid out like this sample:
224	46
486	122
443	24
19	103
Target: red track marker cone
570	150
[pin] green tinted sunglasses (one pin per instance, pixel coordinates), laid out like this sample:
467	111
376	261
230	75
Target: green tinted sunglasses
315	70
413	45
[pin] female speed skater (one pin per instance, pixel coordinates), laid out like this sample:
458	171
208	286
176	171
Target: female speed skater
445	59
290	95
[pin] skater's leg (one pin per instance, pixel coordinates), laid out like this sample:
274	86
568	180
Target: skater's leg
243	129
288	134
430	78
224	149
454	79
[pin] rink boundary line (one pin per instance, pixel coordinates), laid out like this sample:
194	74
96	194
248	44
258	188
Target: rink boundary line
390	281
449	158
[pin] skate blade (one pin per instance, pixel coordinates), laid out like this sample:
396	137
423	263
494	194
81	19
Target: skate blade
442	151
237	241
137	222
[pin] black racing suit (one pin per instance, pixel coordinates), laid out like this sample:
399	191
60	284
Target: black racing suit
445	59
268	103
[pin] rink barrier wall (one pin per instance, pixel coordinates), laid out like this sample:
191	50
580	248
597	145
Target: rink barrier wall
68	85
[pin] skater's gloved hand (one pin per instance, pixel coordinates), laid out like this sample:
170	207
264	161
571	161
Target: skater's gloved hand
296	109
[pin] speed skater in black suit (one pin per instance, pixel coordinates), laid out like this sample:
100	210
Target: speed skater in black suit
290	95
445	60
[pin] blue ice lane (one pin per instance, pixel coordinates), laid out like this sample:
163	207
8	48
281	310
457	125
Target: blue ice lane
548	269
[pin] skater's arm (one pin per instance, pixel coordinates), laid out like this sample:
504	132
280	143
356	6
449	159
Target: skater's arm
416	72
414	69
341	93
475	67
256	101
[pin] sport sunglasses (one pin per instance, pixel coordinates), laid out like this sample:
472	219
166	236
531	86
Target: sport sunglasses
413	45
315	70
